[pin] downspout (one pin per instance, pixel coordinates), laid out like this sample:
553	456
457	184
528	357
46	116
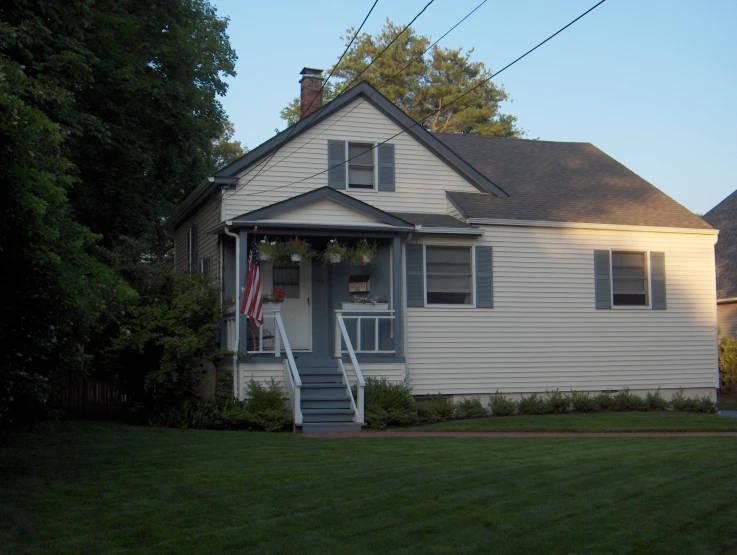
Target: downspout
237	306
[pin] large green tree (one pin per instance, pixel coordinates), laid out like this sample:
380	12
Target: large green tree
425	86
144	80
109	116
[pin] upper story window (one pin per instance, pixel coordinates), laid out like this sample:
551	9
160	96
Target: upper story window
361	174
629	279
449	273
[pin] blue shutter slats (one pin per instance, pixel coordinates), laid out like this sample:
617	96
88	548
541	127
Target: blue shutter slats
336	164
657	277
484	278
415	275
386	167
603	279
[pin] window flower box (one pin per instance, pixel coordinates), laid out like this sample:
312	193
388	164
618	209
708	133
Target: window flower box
365	307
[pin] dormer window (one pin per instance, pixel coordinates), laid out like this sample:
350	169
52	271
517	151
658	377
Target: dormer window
361	166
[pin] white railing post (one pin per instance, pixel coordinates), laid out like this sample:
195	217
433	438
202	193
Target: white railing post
337	342
292	367
360	382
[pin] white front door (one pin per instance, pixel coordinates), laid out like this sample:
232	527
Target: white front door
295	278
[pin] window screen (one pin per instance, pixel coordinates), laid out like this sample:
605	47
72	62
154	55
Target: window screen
361	166
629	278
449	272
286	277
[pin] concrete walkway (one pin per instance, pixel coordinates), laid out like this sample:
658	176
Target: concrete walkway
519	434
729	413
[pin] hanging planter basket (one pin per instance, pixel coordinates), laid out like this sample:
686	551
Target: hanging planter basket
296	257
335	258
265	256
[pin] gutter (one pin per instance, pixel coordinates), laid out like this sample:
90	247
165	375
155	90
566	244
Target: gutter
728	300
579	225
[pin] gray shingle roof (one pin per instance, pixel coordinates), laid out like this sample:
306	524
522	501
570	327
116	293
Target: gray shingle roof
563	182
724	217
431	220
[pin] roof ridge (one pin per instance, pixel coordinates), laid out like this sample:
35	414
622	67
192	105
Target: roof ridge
515	139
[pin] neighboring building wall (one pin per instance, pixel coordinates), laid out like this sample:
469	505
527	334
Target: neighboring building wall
206	216
544	332
727	317
421	178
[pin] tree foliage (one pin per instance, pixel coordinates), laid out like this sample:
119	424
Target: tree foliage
427	84
108	117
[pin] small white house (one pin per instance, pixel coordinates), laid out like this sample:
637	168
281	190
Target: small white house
508	265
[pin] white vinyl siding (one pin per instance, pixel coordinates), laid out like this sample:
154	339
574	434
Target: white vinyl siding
206	216
421	179
324	210
545	332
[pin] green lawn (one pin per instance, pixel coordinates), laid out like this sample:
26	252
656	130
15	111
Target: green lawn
595	422
98	487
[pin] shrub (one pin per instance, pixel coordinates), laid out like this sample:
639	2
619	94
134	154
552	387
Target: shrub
470	408
437	408
707	405
388	403
499	405
728	364
681	403
582	402
558	403
534	404
655	401
626	401
604	400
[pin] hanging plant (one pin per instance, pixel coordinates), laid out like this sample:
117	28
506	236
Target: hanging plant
334	253
268	250
297	249
363	254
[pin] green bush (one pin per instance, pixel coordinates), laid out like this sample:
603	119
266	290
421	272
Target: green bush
684	404
626	401
437	408
728	364
470	408
388	404
604	400
263	410
499	405
534	404
582	402
655	401
558	403
707	405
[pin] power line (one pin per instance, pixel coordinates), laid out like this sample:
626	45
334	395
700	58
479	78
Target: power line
469	91
322	87
420	55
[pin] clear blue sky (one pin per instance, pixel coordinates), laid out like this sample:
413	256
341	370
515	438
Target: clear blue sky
653	83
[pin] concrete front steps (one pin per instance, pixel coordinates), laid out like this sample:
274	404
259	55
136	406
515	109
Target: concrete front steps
326	406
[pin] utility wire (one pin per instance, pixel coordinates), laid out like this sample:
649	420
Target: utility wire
469	91
346	113
322	87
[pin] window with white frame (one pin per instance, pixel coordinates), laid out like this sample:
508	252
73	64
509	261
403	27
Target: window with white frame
629	278
361	174
449	275
205	266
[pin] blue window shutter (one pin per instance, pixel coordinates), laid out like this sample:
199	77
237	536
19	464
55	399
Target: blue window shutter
603	279
415	275
657	277
386	167
484	278
336	164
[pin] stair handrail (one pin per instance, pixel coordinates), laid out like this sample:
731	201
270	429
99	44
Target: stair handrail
296	381
350	389
360	382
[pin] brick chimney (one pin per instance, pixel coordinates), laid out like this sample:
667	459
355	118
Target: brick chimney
311	95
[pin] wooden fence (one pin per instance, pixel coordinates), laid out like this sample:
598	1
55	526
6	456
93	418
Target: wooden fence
95	398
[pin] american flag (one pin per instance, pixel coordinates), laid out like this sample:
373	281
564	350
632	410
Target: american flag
252	305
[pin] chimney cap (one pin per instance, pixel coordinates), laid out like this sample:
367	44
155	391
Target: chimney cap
311	71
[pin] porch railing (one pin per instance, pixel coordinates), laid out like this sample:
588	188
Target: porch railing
341	336
363	345
262	340
291	376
